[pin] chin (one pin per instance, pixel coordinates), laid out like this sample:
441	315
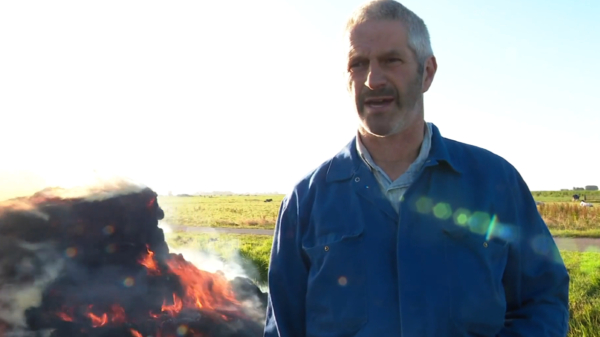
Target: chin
378	131
383	128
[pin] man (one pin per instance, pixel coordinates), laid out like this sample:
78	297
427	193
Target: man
404	232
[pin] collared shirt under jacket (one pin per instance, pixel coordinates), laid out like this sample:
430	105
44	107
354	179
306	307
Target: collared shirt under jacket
467	254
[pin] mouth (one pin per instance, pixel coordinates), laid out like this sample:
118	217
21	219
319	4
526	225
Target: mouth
378	102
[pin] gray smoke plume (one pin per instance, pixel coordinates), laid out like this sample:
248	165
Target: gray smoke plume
26	269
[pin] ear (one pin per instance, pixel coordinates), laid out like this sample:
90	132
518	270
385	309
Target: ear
429	72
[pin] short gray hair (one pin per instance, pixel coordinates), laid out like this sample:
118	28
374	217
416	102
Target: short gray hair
418	35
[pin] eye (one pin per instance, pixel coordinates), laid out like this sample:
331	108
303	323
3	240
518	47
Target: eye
394	59
356	64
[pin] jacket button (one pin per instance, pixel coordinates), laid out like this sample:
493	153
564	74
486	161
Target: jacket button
326	248
485	244
357	179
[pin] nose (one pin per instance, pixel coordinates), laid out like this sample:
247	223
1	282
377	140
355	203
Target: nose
375	78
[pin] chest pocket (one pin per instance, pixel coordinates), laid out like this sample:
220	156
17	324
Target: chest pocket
476	270
336	300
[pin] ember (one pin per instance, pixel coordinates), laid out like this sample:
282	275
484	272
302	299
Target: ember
97	264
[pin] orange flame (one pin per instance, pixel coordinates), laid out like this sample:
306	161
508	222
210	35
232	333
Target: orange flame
118	314
149	262
203	290
173	309
135	333
96	320
65	317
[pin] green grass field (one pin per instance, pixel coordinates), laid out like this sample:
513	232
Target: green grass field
563	216
254	250
565	196
237	211
584	292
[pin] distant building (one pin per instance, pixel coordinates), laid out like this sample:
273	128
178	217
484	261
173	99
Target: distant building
578	188
591	188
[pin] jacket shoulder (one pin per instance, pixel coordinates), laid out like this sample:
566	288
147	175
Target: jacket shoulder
305	188
472	157
486	168
311	180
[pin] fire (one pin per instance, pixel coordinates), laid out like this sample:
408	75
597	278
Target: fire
116	276
98	321
65	317
173	309
135	333
203	290
116	315
149	262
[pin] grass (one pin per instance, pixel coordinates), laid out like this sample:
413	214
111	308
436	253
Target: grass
569	219
559	233
565	196
236	211
254	250
564	217
584	292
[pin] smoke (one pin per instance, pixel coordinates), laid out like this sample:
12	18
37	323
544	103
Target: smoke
25	271
100	190
235	268
207	260
166	228
30	257
55	232
211	260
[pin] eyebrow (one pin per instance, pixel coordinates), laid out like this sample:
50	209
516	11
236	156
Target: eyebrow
394	52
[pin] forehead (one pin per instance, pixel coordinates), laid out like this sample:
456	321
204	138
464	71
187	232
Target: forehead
377	36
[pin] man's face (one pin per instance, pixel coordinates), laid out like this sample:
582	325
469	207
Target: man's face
383	77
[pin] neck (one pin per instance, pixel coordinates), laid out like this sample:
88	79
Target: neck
395	153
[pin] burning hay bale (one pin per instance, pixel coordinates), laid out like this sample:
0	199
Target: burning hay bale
95	263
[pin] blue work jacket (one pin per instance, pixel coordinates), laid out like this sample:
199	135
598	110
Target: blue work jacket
466	255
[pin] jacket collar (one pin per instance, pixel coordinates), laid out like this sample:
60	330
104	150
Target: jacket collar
346	163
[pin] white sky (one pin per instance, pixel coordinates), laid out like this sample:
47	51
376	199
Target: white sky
191	96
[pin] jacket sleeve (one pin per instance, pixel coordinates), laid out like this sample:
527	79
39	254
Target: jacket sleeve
287	277
536	279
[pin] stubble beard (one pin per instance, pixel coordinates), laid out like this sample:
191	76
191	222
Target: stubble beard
392	122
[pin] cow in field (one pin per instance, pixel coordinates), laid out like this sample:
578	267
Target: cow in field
575	197
268	200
